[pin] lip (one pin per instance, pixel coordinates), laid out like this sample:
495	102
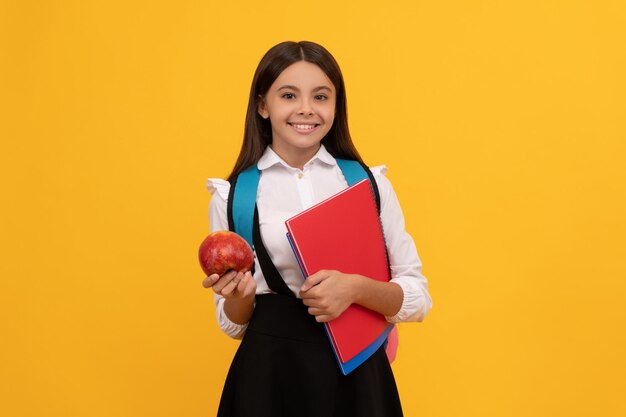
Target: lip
304	131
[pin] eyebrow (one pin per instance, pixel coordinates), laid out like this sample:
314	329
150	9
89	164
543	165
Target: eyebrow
293	87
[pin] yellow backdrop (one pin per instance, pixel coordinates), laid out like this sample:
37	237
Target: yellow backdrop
501	122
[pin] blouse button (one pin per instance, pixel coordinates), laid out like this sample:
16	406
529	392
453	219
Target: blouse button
300	175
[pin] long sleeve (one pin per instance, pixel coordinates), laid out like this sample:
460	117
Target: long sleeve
218	220
406	266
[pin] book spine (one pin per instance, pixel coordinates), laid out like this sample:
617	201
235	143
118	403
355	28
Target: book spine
380	223
297	254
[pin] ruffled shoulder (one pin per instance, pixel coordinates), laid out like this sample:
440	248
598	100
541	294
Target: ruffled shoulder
222	187
379	170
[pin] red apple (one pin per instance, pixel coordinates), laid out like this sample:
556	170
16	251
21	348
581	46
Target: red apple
225	250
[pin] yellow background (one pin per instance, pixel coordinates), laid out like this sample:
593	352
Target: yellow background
503	127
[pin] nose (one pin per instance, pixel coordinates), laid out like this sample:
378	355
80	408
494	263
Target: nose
305	108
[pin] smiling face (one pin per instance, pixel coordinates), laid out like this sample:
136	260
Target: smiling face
300	105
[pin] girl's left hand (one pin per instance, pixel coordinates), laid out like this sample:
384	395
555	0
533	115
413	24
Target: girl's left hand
328	294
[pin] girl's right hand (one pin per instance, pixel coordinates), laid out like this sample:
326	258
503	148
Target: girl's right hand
231	285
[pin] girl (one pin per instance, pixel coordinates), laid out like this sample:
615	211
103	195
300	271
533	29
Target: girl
296	125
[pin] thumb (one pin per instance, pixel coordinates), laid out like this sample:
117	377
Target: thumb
313	280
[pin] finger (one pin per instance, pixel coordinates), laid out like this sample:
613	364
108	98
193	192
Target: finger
250	285
318	304
323	318
210	280
223	281
230	287
237	281
311	294
243	282
313	280
316	311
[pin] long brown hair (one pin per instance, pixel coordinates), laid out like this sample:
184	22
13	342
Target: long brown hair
258	131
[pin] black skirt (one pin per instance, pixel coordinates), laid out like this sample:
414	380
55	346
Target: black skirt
285	367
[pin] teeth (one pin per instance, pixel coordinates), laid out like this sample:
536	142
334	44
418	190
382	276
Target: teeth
303	126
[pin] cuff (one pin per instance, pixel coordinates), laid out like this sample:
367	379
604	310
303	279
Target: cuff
414	304
234	330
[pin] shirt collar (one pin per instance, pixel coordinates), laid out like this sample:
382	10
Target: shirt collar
271	158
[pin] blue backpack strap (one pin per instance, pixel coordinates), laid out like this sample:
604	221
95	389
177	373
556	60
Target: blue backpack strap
354	171
241	203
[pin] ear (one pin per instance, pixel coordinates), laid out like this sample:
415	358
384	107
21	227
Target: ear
262	108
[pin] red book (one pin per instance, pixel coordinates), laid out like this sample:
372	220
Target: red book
344	233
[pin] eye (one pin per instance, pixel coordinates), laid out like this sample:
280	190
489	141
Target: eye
288	96
321	97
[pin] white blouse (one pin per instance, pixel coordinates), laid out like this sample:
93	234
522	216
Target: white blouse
285	191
